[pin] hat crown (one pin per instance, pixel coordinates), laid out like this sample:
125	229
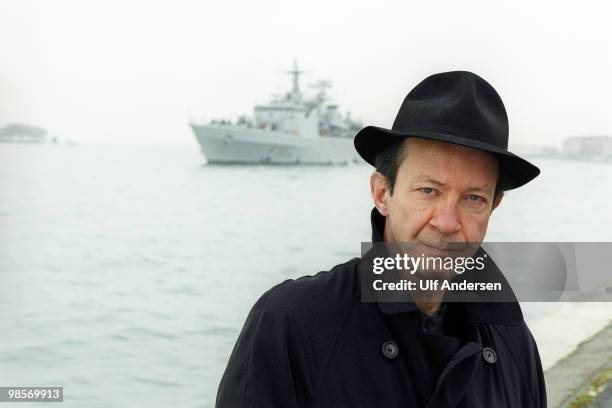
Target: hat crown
456	102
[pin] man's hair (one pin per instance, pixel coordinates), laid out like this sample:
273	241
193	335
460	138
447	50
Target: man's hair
389	160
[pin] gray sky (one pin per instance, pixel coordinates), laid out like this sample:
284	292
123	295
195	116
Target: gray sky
134	71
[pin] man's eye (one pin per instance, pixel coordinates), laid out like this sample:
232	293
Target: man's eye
475	198
427	190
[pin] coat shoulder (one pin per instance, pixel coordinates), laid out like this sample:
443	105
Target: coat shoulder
287	339
315	297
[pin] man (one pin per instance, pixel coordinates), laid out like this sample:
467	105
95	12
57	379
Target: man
440	172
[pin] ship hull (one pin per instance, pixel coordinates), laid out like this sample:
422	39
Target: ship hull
241	145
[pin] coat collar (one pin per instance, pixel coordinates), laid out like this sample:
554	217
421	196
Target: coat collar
481	312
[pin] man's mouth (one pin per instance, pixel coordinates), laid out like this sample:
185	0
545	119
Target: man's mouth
449	249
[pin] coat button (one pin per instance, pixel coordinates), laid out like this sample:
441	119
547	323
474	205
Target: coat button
489	355
390	350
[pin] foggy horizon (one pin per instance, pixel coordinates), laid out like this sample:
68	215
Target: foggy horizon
135	73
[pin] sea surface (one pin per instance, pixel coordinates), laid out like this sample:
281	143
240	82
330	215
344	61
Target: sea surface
126	273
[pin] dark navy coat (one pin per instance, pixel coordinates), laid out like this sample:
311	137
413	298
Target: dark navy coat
312	342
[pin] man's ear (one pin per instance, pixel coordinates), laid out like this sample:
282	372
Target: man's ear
380	192
497	200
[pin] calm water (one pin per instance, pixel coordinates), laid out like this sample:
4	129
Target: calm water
126	272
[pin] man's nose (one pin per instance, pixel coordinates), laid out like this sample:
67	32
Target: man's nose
446	219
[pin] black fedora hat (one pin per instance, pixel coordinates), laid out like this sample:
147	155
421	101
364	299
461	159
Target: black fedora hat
456	107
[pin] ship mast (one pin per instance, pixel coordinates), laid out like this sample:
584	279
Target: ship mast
295	73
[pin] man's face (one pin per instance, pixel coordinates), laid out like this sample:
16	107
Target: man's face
443	194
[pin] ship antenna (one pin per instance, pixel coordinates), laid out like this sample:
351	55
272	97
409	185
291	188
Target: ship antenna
295	72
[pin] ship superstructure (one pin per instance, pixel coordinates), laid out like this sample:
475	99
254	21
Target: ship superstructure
290	129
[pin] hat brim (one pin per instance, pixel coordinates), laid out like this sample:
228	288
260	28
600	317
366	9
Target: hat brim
371	140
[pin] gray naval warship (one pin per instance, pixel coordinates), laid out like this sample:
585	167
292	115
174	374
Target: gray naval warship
290	129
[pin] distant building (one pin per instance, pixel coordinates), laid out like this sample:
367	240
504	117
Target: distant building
595	147
535	151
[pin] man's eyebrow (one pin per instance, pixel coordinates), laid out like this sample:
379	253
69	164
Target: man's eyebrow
429	179
481	189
